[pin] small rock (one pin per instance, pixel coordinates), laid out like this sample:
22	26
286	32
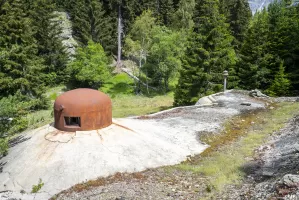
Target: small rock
197	186
268	173
104	190
257	93
291	180
245	104
173	189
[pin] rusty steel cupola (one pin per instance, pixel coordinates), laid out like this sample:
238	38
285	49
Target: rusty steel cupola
82	110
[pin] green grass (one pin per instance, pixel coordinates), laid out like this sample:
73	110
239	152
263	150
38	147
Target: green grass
125	103
53	93
40	118
223	165
132	105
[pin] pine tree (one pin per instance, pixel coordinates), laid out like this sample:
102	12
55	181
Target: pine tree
165	11
90	22
210	52
183	17
253	69
238	15
280	85
20	67
283	39
46	32
192	76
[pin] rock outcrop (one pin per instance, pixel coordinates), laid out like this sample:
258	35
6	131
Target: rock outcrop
66	35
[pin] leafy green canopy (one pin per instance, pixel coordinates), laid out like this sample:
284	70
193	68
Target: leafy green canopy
90	68
156	48
164	61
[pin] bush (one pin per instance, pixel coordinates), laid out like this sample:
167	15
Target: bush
3	146
13	111
90	68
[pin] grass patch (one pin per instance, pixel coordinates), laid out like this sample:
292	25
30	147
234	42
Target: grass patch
222	164
40	118
132	105
54	92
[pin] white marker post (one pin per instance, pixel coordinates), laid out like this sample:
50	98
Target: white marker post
225	75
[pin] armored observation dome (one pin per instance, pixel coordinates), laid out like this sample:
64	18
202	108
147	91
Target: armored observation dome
82	110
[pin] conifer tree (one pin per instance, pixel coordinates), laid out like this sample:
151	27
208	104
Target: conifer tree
280	85
90	22
210	52
165	11
46	32
253	69
20	67
183	17
238	15
283	39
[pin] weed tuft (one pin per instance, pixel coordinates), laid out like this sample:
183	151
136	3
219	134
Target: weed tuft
36	188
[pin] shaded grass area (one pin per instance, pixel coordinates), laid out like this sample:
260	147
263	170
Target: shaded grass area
222	163
120	84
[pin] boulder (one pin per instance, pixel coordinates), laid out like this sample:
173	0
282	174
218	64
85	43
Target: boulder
256	93
291	180
66	32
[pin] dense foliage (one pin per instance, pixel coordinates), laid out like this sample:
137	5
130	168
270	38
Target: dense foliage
90	68
185	44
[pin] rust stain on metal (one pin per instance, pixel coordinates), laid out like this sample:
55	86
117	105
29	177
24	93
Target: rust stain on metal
82	110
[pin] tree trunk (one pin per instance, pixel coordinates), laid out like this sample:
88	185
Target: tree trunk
140	65
119	30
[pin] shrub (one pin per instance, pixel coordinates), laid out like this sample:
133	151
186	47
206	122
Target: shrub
36	188
90	68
